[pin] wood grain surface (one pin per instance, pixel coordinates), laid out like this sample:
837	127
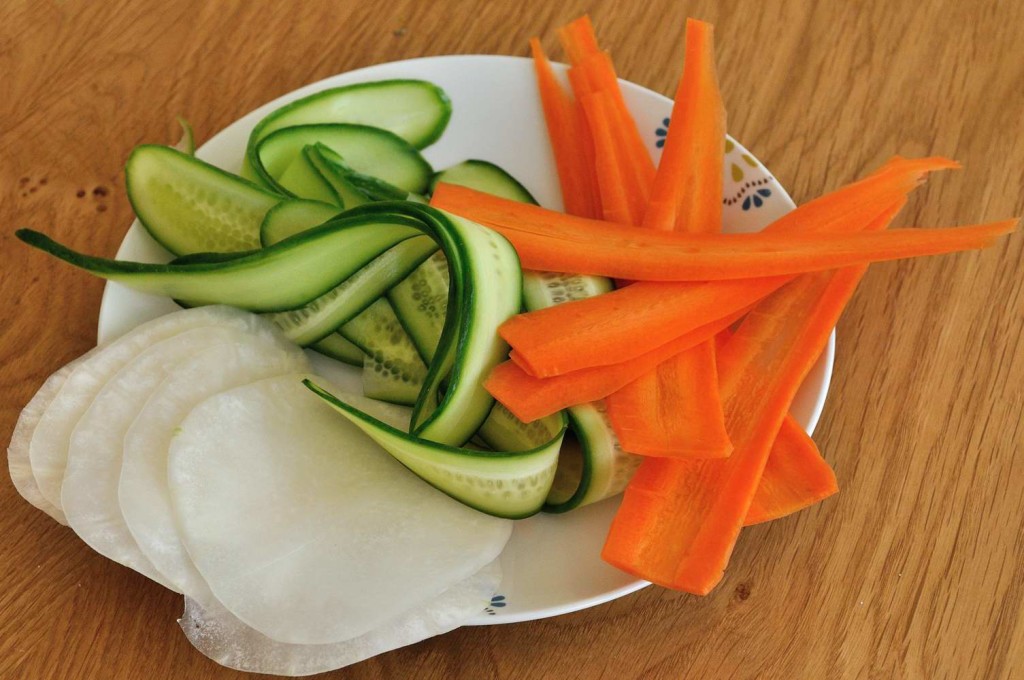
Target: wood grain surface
916	569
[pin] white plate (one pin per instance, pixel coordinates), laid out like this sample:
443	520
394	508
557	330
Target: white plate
552	564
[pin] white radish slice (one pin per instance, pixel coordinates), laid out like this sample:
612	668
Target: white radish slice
303	527
48	449
219	635
143	494
90	492
18	461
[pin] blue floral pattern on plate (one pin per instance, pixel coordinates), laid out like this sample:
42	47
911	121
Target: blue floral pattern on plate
497	602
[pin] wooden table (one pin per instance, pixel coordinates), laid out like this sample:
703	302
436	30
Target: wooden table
915	570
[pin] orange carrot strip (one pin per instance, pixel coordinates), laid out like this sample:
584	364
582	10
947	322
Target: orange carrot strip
870	195
637	167
684	308
795	476
530	398
578	38
687	193
615	205
680	519
674	409
561	124
644	256
592	71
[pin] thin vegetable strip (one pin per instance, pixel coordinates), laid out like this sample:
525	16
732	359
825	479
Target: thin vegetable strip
615	203
637	255
675	410
593	71
795	476
562	121
530	398
687	194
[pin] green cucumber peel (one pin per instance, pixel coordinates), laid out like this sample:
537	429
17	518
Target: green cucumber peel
365	149
282	277
511	484
415	110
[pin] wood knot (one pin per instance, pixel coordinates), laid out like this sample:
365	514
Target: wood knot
742	592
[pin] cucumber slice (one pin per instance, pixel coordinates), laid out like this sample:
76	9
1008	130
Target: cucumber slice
596	468
415	110
486	177
282	277
322	316
371	188
189	206
502	431
303	180
365	149
485	290
392	370
289	218
347	194
544	289
421	303
504	484
338	348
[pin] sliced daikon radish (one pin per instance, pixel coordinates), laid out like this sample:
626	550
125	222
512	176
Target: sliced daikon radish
144	498
218	634
90	492
303	527
18	460
48	449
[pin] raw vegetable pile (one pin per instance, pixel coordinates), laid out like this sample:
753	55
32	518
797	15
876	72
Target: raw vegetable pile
671	350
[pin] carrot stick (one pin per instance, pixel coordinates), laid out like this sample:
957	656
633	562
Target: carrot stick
679	518
624	253
674	409
687	193
636	165
683	307
578	38
615	204
530	398
567	138
795	476
830	212
592	72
